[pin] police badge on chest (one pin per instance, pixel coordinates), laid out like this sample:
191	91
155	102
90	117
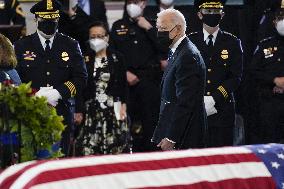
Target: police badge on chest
269	52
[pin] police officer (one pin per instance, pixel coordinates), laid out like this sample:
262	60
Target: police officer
135	38
11	11
222	53
267	70
52	62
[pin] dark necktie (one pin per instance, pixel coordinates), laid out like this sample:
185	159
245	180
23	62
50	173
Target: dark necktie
47	47
210	42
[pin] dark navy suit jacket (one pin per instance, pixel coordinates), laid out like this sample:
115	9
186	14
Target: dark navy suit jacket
182	114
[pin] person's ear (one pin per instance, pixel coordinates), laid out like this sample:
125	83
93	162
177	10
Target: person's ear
36	22
179	29
107	38
274	22
143	4
200	16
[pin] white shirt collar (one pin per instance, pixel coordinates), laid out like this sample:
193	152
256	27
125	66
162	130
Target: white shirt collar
206	34
175	46
42	40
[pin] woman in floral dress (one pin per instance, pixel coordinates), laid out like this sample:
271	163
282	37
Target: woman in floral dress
103	131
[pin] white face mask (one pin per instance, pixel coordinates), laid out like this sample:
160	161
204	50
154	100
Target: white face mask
98	44
134	10
167	2
280	27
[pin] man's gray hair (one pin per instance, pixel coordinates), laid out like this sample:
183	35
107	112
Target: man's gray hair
177	17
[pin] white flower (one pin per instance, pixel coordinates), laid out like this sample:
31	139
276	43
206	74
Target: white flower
105	76
101	97
103	106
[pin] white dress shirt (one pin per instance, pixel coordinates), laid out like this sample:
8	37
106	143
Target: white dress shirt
206	36
42	41
175	46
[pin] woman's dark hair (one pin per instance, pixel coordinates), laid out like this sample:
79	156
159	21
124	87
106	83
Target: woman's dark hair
99	24
7	53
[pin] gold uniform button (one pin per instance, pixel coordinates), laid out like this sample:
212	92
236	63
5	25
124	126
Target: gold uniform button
209	70
208	81
47	73
47	85
208	93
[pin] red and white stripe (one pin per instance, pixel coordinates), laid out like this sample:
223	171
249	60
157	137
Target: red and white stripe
230	167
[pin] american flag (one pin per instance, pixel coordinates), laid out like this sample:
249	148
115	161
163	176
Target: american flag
245	167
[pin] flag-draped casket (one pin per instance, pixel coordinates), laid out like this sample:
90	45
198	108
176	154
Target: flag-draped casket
245	167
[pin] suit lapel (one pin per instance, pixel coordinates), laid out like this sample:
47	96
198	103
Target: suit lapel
56	42
173	59
202	46
37	44
218	43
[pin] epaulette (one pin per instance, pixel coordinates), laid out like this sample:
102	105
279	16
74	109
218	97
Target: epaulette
266	39
64	35
230	34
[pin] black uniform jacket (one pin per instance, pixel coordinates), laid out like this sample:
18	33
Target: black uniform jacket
268	63
63	68
224	65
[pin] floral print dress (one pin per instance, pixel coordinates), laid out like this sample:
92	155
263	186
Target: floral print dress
102	133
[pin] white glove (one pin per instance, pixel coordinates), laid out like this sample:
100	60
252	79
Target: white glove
52	97
51	94
42	91
209	105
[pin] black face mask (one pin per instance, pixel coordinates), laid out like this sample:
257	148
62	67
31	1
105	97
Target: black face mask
48	27
211	20
164	40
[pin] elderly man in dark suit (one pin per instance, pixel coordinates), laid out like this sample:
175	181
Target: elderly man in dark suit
182	121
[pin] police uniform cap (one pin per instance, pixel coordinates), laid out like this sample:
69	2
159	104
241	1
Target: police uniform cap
209	4
46	9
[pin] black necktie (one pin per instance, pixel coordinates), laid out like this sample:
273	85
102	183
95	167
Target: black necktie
47	47
210	42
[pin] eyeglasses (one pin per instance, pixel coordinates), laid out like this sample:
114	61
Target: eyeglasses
211	11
